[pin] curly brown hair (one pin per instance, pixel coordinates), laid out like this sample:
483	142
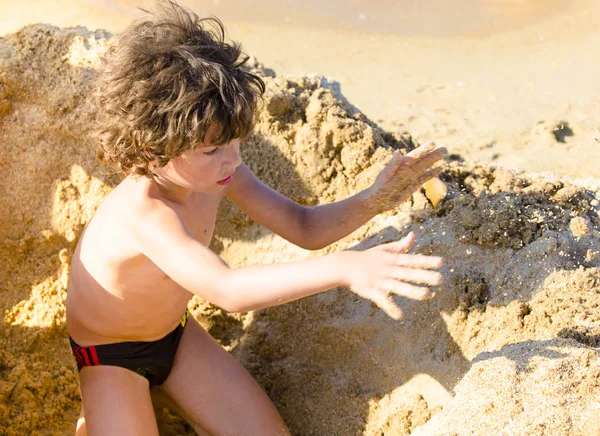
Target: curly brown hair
167	79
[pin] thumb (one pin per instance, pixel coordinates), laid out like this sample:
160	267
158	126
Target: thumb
403	245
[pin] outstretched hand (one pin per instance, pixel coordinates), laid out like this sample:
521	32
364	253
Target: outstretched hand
403	175
386	269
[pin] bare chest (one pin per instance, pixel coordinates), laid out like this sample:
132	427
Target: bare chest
199	217
106	261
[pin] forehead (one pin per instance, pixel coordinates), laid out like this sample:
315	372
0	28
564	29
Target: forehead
212	133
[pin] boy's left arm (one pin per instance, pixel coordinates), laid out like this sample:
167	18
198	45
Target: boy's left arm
316	227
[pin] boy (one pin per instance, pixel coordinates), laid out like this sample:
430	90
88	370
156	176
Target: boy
173	103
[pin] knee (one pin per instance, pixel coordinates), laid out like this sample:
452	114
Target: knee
80	428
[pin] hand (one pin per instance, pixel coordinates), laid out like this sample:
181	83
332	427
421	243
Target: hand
376	273
403	175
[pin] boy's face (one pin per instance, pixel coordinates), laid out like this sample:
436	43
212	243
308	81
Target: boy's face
207	168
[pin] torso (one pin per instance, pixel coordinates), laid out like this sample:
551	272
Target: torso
116	293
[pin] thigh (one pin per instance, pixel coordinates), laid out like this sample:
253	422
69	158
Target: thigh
116	402
214	391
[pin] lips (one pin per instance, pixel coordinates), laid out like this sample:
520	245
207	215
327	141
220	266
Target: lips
225	181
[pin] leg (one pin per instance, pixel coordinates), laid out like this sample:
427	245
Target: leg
116	402
80	428
215	393
160	401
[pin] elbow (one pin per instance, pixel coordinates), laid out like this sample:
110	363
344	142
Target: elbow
232	306
231	302
311	245
237	303
306	239
221	294
228	303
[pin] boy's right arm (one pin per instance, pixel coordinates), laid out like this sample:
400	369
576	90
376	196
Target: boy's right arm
373	274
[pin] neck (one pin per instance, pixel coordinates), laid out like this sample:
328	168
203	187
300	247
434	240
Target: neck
170	190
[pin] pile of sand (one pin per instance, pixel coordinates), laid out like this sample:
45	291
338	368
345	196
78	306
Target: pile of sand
509	346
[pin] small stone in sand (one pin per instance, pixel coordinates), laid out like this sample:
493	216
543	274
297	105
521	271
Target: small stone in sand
580	226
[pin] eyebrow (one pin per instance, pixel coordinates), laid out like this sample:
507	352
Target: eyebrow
202	145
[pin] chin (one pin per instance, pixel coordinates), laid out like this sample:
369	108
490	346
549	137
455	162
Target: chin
210	189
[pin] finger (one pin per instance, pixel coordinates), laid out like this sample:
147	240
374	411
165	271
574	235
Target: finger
426	150
385	303
420	276
429	159
430	174
409	291
401	246
397	161
419	261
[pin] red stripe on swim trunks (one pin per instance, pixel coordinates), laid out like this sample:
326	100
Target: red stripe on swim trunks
77	355
94	356
85	356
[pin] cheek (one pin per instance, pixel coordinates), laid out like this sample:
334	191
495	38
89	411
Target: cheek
200	168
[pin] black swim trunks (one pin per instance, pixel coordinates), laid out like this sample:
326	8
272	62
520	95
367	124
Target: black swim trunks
152	360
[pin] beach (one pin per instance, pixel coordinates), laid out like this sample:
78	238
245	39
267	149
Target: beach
489	82
510	343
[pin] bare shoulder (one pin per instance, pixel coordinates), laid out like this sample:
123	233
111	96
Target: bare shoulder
148	213
134	212
142	195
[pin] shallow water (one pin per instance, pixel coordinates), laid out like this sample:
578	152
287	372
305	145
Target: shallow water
406	17
466	73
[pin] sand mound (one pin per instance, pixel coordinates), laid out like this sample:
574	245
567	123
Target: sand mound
532	387
521	270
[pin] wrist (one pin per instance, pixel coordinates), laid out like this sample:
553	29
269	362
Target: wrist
342	267
369	202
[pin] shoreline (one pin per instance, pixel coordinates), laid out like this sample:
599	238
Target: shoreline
482	97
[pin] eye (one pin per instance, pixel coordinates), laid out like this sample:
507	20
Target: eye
213	151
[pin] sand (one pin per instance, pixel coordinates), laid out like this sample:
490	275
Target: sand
508	346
